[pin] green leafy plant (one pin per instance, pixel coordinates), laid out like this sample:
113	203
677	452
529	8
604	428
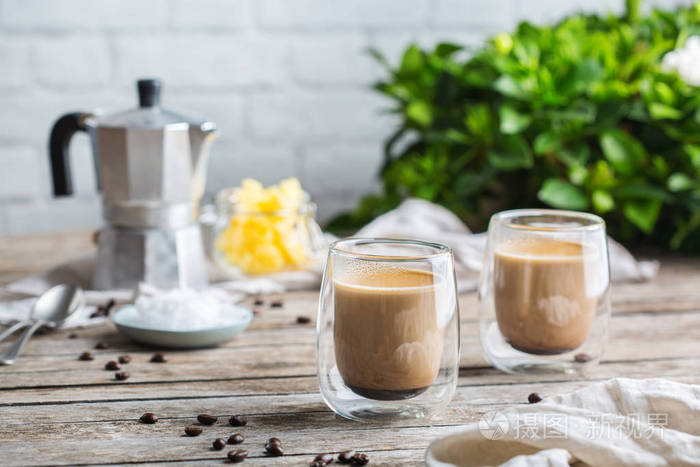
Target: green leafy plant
579	115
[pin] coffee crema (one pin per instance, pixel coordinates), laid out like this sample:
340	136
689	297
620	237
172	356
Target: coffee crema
388	339
542	301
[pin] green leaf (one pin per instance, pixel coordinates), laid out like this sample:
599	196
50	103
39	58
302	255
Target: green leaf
547	142
562	194
379	58
662	111
602	201
623	151
512	121
413	61
420	112
509	86
512	153
578	174
445	49
642	191
693	152
681	182
642	213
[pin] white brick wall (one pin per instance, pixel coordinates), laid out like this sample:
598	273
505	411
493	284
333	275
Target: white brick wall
285	80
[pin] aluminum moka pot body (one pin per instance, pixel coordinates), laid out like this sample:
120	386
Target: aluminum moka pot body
151	169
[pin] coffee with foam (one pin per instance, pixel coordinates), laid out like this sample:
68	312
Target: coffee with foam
542	295
388	333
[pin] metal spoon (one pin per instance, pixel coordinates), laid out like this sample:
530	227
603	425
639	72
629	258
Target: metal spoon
51	309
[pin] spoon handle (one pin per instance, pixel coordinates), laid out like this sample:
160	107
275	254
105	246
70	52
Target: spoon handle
14	351
12	329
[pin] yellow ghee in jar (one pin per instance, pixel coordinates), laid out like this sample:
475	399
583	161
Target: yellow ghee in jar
266	232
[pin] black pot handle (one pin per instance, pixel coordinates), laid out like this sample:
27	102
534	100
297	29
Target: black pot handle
61	134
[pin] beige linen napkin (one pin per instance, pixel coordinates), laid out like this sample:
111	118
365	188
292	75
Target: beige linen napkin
620	422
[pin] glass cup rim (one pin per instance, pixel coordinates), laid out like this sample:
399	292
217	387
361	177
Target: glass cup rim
441	250
504	218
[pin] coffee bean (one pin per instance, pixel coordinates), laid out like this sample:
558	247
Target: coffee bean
360	459
274	450
237	456
345	457
258	302
582	357
238	420
219	444
86	356
303	320
206	419
274	440
236	438
326	458
124	359
99	313
112	365
534	398
101	345
193	430
159	357
149	418
72	336
121	375
277	304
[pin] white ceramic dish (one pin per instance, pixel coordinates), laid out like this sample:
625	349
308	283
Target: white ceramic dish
180	339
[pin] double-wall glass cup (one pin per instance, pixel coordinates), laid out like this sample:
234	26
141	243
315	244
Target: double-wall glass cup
387	336
544	301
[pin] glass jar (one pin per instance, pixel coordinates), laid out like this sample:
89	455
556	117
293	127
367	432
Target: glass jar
257	242
387	335
544	293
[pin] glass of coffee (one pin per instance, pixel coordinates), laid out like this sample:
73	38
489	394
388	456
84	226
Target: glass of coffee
544	291
388	329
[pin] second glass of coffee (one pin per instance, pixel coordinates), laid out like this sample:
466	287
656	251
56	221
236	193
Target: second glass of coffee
388	328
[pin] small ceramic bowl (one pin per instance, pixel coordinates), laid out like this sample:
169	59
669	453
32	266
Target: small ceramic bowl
181	339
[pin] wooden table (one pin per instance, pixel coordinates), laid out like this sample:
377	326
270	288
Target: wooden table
57	410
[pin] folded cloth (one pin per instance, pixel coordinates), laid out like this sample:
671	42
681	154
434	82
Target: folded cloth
620	422
413	219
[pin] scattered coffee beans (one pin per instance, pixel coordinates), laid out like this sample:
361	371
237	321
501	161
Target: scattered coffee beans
303	320
582	357
124	359
359	459
121	375
149	418
276	441
534	398
274	450
86	356
237	420
101	345
159	357
345	457
236	438
237	456
258	302
72	336
325	458
219	444
206	419
193	430
276	304
112	365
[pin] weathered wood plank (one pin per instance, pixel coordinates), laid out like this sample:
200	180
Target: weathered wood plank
633	337
474	377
